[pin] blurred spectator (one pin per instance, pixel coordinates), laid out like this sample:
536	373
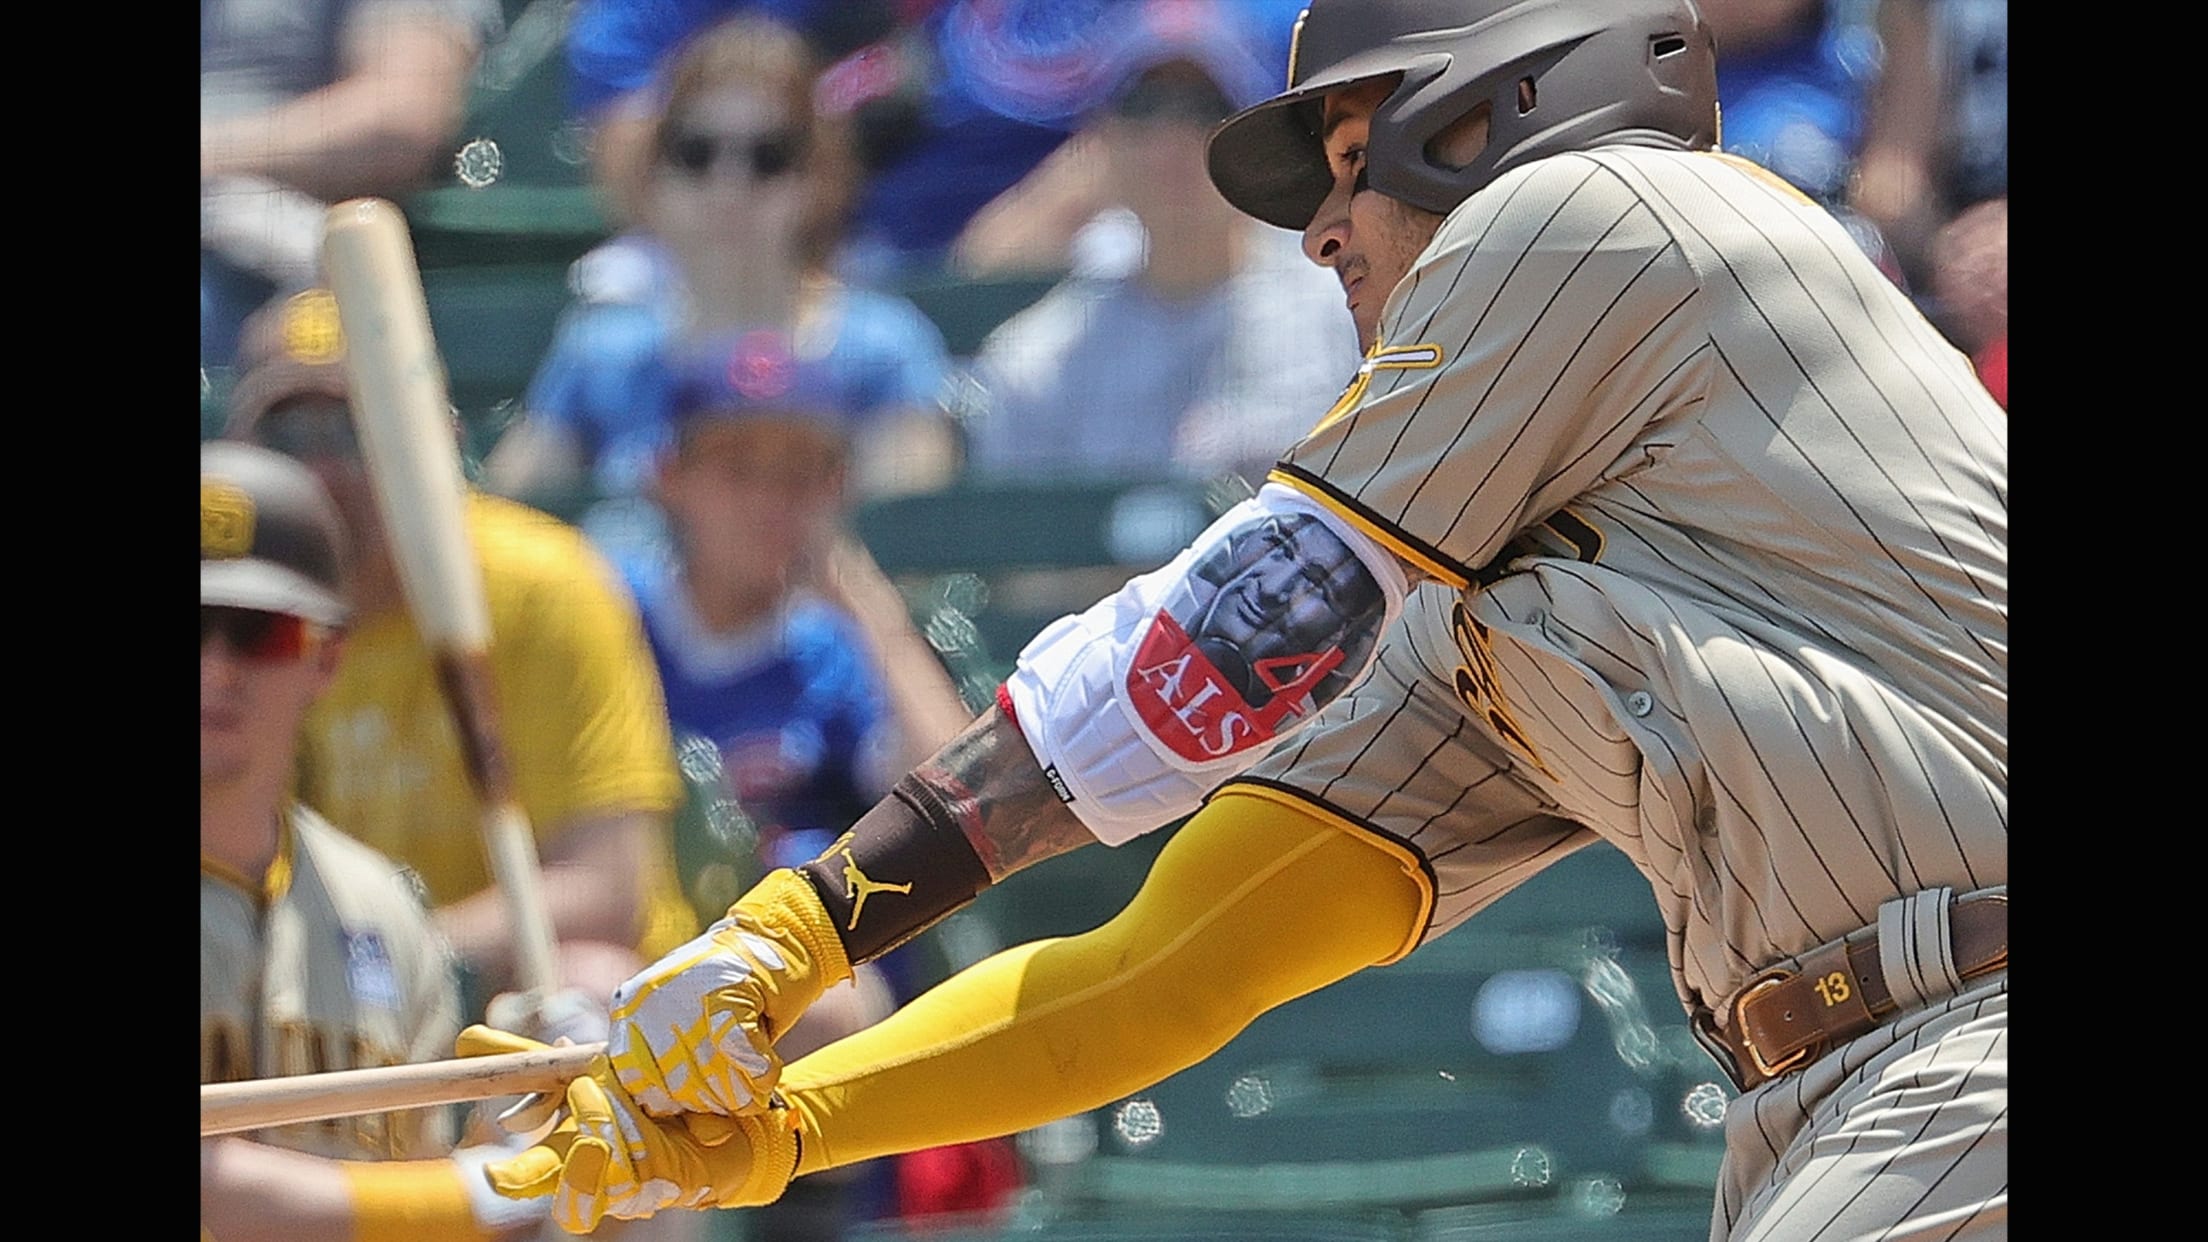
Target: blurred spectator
1210	344
781	643
304	104
585	724
1937	140
1970	289
953	101
738	214
316	952
1792	79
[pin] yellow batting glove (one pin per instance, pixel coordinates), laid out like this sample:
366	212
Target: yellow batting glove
606	1158
694	1032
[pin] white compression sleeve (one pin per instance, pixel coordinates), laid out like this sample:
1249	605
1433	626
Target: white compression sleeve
1144	703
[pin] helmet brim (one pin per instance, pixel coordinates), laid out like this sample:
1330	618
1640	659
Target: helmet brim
265	586
1268	161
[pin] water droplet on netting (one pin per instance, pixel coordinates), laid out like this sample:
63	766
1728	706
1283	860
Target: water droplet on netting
952	632
1599	1196
728	823
1250	1096
479	163
1637	1045
1632	1111
1599	942
1705	1105
1610	986
699	759
1069	1140
571	144
1530	1167
1138	1123
967	593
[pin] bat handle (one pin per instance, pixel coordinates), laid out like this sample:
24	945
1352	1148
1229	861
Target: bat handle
513	854
231	1107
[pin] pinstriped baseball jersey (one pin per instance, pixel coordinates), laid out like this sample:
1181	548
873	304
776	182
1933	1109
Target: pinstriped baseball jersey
1720	527
329	963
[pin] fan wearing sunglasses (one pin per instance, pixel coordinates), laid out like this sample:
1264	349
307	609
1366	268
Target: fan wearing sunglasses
735	225
316	953
1197	350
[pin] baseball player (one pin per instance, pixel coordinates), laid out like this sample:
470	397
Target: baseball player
316	952
1685	533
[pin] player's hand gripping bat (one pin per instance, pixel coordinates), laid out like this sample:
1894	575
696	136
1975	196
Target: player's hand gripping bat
404	421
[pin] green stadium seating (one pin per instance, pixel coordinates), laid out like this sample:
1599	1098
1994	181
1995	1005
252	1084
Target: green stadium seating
1187	1226
1034	551
967	309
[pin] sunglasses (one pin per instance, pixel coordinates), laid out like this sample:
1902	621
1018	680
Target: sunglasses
260	637
764	157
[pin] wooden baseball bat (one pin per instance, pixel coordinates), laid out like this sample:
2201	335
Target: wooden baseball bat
403	418
229	1107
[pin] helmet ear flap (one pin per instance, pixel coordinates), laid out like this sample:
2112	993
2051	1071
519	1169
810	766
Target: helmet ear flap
1421	150
1465	139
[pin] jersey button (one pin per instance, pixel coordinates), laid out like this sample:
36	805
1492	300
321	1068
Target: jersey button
1639	703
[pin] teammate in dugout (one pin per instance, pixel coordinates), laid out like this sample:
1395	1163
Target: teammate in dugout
1687	534
316	952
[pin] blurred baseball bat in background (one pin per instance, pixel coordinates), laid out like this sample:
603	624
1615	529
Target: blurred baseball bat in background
403	417
230	1107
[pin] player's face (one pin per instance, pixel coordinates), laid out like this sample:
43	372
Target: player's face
1369	239
258	674
752	497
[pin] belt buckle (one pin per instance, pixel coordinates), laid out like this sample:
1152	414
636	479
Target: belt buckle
1769	979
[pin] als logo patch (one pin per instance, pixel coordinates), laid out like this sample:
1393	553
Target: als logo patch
368	969
1280	616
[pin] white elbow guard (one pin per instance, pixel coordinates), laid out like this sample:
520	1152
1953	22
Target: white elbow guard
1146	702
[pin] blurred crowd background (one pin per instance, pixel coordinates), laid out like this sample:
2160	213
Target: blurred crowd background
859	338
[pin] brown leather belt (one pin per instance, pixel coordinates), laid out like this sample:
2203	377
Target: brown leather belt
1782	1019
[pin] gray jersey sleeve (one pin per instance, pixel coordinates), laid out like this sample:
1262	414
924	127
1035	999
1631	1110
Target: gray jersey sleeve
1544	330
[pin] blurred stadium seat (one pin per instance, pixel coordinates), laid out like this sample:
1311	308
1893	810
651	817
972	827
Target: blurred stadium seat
1524	1076
985	565
1191	1226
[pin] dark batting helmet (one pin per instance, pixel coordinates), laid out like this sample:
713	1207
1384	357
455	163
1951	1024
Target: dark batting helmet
1594	73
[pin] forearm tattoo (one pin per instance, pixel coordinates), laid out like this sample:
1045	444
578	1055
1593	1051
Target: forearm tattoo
991	783
976	812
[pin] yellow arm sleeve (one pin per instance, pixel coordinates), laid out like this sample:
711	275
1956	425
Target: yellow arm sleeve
1260	898
410	1201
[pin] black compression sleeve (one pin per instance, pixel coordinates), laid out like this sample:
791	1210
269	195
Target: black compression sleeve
902	868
